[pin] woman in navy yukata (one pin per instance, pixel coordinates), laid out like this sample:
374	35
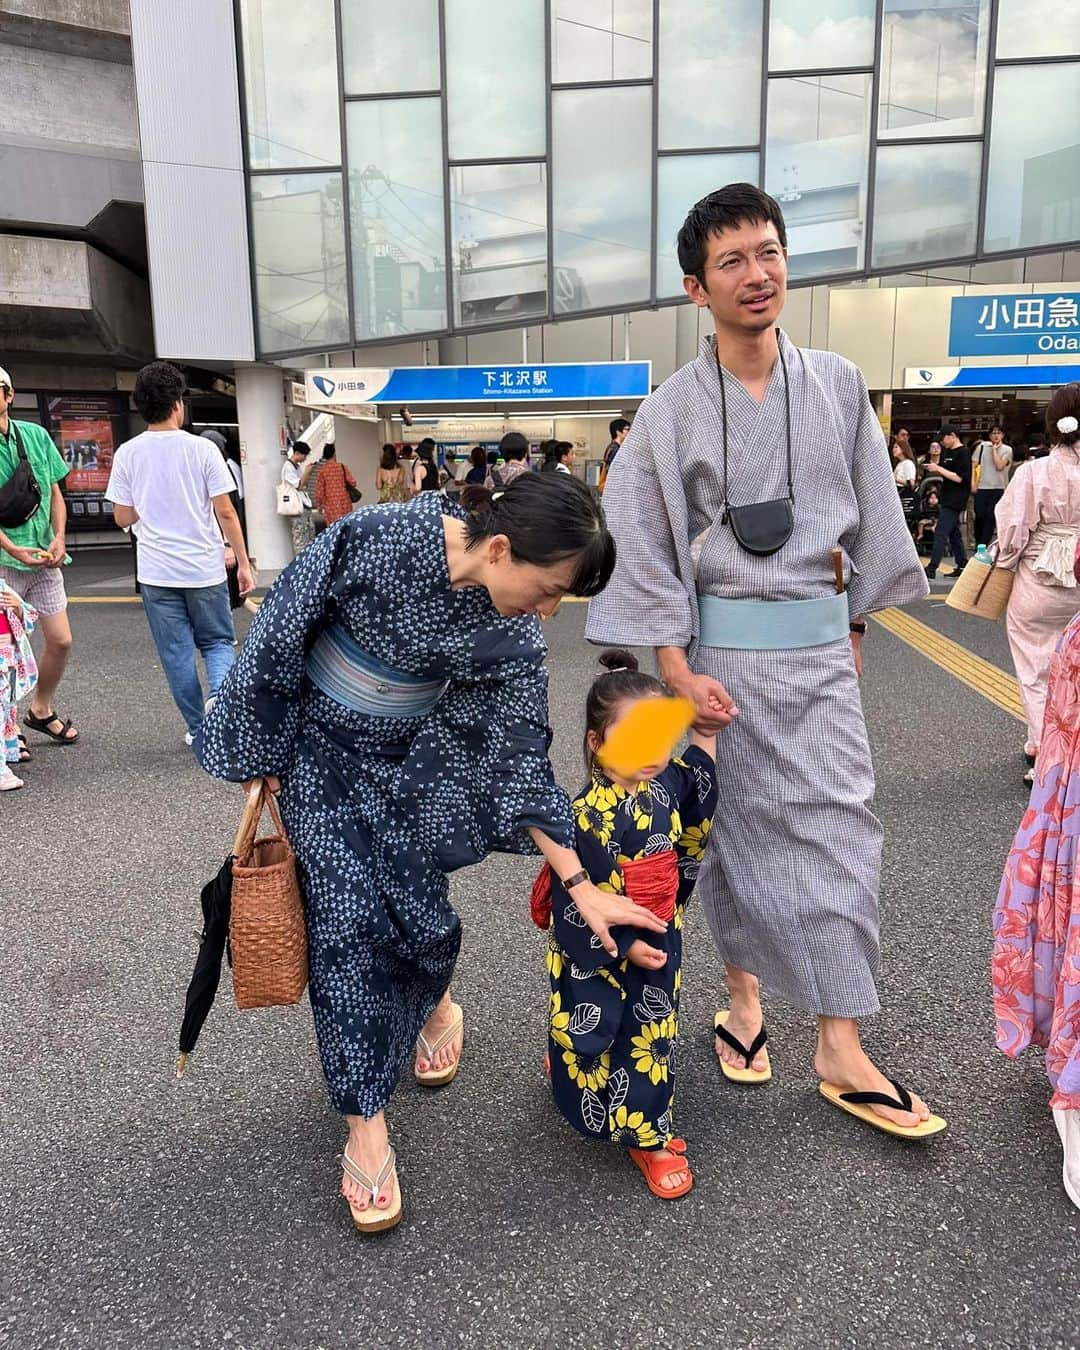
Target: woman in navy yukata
394	684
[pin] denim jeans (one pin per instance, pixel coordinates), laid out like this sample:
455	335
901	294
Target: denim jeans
184	619
947	532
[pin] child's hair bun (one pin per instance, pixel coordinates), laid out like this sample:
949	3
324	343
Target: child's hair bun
617	660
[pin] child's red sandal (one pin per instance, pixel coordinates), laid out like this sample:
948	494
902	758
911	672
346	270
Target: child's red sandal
654	1169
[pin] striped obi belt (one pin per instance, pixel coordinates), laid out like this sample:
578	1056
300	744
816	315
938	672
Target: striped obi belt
652	883
340	668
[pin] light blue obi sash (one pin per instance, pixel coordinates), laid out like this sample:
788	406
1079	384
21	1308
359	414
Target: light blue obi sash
340	668
772	625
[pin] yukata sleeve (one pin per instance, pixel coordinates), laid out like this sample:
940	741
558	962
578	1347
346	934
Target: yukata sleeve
886	569
645	604
1016	514
478	776
251	729
572	933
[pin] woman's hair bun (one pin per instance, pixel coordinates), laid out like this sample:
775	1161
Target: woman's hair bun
476	498
616	659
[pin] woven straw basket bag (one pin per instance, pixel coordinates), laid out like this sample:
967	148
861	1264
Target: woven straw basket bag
981	590
267	936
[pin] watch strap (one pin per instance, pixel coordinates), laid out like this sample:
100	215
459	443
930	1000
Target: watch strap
575	880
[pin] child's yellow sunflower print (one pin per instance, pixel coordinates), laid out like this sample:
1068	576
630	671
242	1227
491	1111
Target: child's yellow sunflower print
651	1051
631	1127
604	796
694	839
588	1071
593	820
560	1022
640	808
554	958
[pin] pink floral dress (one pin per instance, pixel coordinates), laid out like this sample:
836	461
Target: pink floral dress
1036	962
18	674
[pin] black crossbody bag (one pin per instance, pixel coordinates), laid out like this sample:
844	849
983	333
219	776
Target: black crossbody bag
20	496
761	528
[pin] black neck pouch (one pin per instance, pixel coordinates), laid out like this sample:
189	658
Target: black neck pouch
762	528
20	496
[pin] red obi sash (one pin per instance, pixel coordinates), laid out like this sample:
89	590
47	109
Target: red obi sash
652	883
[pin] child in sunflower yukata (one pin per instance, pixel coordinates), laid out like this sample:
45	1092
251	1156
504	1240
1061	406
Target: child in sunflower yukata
614	1019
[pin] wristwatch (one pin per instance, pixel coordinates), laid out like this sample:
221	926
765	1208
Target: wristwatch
575	880
858	626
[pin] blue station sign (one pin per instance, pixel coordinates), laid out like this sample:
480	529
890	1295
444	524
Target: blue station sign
1015	325
411	385
988	377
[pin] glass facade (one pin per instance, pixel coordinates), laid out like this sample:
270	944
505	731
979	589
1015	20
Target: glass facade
441	166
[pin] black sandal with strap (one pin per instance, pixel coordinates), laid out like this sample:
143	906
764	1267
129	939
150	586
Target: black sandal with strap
41	724
861	1104
24	750
737	1045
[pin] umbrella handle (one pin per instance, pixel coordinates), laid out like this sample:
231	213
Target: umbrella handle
249	820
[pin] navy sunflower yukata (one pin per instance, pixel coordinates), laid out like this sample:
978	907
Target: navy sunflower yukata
408	724
613	1025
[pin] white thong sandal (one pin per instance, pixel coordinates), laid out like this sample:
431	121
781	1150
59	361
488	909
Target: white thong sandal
372	1219
426	1049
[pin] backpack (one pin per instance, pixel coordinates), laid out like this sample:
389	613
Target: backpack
20	496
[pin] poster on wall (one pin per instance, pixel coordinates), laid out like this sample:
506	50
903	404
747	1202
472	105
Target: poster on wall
86	431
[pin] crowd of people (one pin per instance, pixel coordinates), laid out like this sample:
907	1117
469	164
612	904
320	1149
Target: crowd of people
392	691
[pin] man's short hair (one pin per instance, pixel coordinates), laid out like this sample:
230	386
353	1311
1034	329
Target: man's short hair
428	442
513	446
725	209
619	424
159	387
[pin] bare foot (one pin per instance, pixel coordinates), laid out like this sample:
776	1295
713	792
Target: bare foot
673	1179
854	1071
367	1147
437	1023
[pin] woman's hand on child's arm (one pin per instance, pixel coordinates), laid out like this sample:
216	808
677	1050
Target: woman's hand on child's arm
640	953
600	910
11	600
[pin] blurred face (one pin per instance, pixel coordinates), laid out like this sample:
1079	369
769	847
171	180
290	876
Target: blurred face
995	436
518	588
568	459
950	442
935	450
745	278
647	771
7	397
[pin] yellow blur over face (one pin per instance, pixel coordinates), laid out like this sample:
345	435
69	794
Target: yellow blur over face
646	736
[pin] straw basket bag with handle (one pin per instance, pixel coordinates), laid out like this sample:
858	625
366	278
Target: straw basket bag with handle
267	937
981	590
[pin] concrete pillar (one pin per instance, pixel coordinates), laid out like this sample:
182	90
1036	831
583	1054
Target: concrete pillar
260	407
359	445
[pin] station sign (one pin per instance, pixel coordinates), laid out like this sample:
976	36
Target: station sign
988	377
1015	325
412	385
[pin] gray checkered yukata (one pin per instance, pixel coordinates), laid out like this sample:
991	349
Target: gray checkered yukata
790	881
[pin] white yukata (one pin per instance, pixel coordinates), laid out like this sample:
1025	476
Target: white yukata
790	880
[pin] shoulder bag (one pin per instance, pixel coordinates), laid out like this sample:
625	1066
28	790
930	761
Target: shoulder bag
20	496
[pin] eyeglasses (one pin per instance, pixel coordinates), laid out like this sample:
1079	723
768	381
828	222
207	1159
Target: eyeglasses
768	255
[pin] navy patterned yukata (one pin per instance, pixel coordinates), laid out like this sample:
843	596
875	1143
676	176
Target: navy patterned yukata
613	1025
408	724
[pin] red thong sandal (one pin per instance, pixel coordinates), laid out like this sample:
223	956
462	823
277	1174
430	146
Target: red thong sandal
654	1169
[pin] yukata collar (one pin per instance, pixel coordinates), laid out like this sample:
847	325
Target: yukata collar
601	780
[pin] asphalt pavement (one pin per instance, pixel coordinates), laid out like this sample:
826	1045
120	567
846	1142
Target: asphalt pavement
150	1212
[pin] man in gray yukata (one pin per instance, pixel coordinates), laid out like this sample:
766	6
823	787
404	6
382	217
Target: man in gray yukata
790	878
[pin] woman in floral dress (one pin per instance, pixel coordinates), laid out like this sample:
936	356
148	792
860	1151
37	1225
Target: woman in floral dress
614	1018
1036	962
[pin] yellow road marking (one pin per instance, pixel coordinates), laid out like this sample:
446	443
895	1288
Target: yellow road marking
104	600
986	679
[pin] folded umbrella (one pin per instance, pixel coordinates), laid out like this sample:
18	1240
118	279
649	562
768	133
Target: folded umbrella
217	909
216	906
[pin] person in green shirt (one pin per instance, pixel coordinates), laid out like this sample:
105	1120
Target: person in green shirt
31	556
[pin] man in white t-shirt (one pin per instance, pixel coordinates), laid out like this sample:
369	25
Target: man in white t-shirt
173	490
994	460
296	473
